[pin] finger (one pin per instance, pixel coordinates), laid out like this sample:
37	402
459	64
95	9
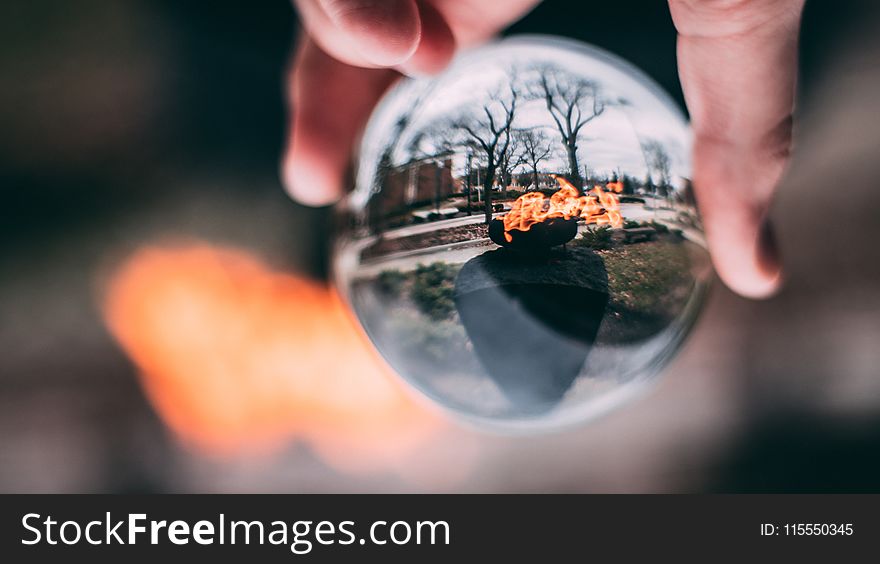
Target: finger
330	101
738	65
475	21
436	45
380	33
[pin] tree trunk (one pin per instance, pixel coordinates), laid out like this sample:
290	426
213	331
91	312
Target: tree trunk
574	168
468	184
469	189
487	191
535	177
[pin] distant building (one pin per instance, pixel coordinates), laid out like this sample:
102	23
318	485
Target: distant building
418	182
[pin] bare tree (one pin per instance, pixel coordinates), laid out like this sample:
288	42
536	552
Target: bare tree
658	161
512	159
535	148
572	102
490	133
471	166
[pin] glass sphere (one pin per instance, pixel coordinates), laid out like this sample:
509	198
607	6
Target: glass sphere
522	244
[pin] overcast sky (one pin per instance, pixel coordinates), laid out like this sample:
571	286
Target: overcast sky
609	142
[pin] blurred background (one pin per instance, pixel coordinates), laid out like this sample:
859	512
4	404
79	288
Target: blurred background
164	326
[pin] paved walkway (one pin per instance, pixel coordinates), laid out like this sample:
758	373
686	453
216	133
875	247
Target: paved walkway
453	253
435	225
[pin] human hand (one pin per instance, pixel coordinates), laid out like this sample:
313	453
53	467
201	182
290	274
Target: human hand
737	62
351	52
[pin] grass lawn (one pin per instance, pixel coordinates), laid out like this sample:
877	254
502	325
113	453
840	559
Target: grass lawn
648	284
650	276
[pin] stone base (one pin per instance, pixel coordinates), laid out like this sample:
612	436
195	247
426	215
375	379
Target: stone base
532	320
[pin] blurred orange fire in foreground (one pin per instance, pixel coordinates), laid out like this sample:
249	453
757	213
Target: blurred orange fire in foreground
596	206
237	357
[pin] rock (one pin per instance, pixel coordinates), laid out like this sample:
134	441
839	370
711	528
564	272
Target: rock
532	319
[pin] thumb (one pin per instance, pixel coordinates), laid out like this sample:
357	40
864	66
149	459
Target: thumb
738	68
366	33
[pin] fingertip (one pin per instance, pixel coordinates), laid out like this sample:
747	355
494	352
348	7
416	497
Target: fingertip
753	285
734	187
387	32
436	46
769	262
307	184
329	104
753	271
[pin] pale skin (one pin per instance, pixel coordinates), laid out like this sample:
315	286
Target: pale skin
737	63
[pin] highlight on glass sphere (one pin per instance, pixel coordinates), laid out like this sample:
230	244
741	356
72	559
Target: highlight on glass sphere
522	244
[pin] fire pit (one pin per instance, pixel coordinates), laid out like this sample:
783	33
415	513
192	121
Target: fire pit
533	315
537	223
542	236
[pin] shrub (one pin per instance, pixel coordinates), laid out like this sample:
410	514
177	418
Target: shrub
511	194
391	281
434	301
597	238
658	227
631	224
433	289
631	200
435	273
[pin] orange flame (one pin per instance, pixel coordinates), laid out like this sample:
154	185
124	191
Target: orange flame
616	187
596	206
237	357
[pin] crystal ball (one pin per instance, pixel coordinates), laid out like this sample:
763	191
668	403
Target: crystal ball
522	244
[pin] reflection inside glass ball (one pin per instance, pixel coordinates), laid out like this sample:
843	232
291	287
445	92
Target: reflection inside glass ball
522	243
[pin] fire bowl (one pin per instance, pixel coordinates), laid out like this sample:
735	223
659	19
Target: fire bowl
540	237
532	323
